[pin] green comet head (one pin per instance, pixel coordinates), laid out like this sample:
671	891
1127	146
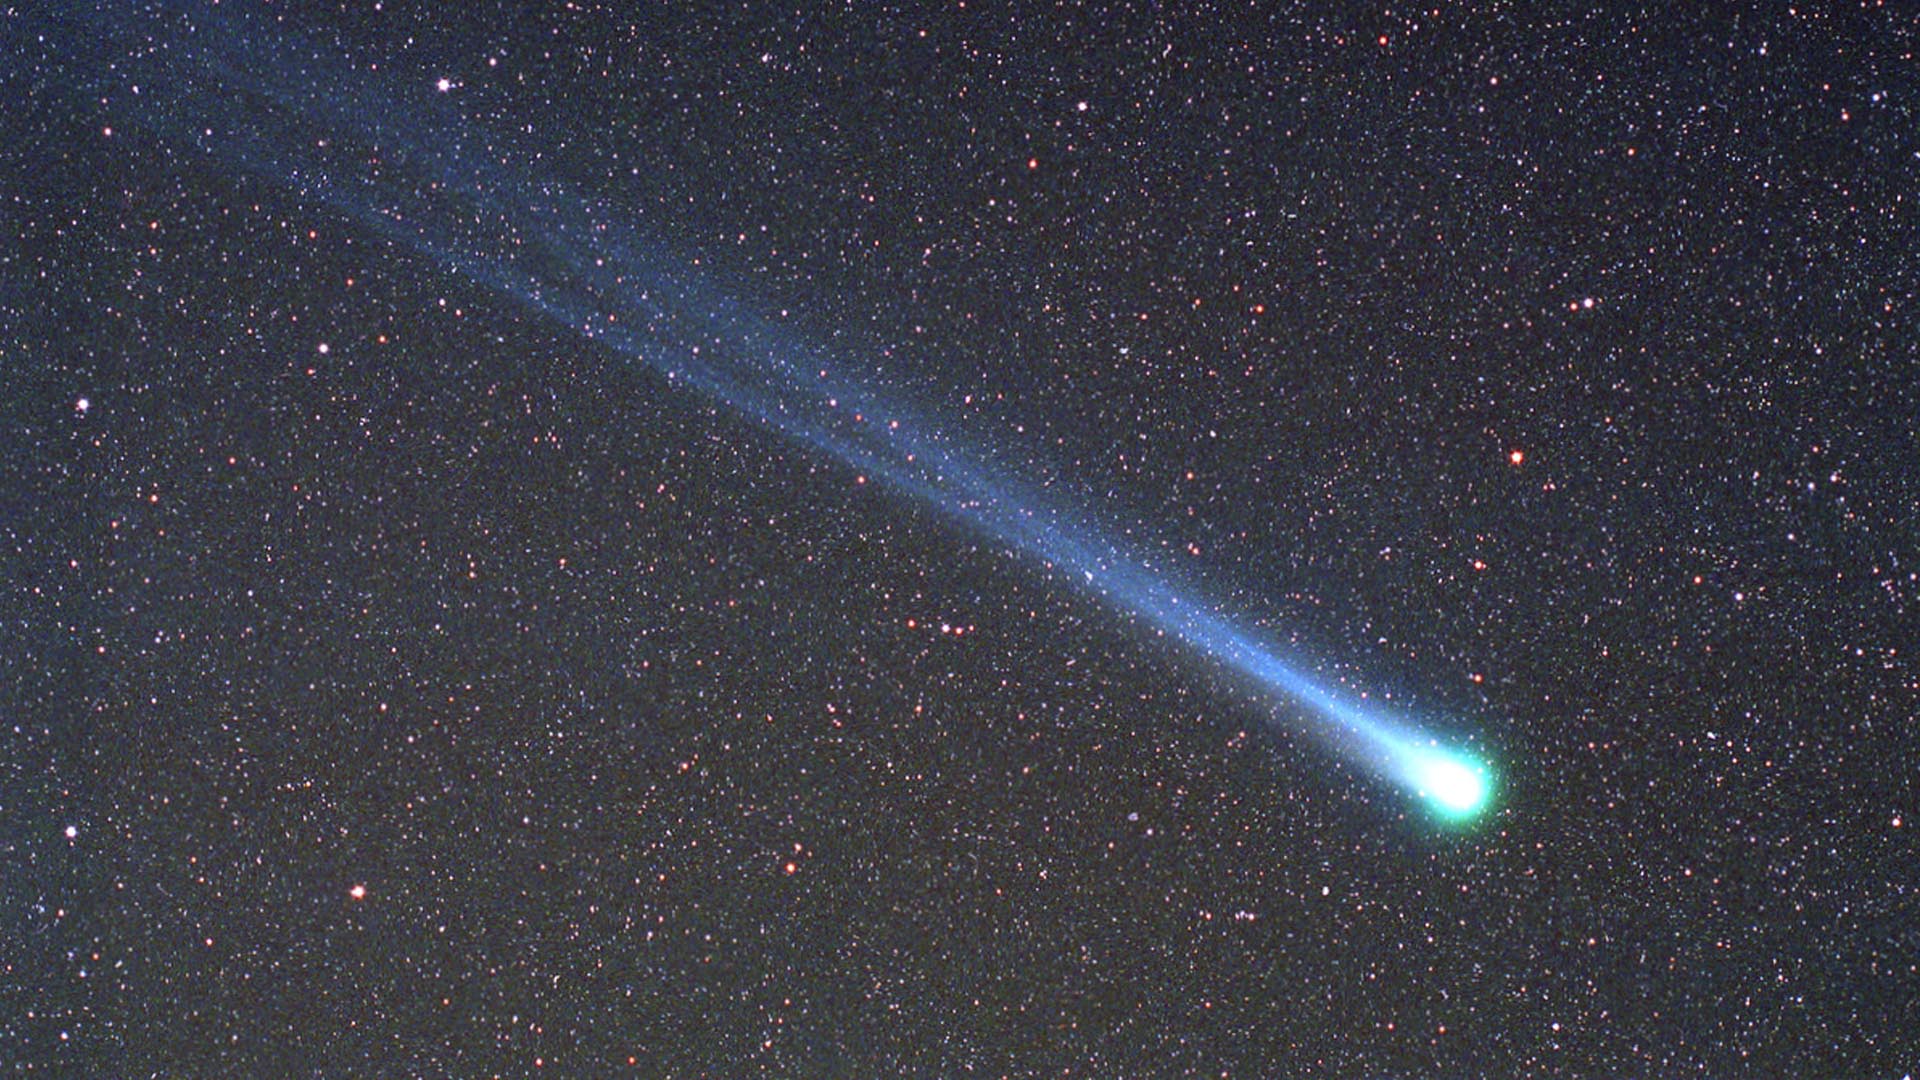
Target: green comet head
1457	787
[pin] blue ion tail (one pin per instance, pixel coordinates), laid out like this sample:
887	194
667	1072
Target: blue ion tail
471	201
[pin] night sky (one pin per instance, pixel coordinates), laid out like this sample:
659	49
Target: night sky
484	588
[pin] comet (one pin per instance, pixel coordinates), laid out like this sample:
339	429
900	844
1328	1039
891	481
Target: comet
471	201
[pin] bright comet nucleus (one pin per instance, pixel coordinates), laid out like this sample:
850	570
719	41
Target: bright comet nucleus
1454	785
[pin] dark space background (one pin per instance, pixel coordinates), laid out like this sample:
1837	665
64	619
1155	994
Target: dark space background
464	699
